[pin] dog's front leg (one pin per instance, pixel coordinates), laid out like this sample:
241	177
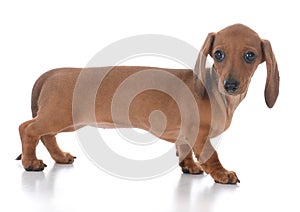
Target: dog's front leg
213	167
186	161
210	163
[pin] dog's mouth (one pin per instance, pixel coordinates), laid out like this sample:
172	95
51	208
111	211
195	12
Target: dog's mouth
230	93
230	90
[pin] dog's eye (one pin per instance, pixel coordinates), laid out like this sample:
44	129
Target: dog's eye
249	57
219	55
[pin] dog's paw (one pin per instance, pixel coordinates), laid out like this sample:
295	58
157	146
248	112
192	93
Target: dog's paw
66	158
33	165
225	177
190	167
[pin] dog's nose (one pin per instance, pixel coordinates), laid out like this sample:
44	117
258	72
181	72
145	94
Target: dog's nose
231	86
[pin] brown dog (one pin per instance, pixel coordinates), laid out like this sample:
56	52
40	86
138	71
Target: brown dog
237	51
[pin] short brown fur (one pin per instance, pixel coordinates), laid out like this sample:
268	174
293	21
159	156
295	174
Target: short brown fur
53	109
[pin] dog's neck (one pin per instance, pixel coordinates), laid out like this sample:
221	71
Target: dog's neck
222	105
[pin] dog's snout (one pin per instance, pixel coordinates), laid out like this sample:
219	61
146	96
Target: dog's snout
231	86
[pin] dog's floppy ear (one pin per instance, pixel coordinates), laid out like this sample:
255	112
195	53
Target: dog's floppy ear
199	81
272	82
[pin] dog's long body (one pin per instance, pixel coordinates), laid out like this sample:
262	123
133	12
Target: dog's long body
178	105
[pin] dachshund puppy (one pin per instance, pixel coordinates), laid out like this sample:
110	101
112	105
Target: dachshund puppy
213	94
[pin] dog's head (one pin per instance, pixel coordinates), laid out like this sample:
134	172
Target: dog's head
237	51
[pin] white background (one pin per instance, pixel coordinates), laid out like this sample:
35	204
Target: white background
261	145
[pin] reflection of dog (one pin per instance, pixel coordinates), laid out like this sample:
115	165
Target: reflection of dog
236	50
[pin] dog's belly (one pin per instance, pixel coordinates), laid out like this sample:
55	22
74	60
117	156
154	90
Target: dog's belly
150	110
167	134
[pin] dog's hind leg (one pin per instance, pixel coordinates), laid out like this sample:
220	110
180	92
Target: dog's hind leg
30	139
56	153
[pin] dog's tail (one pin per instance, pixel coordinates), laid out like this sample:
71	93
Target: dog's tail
36	90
